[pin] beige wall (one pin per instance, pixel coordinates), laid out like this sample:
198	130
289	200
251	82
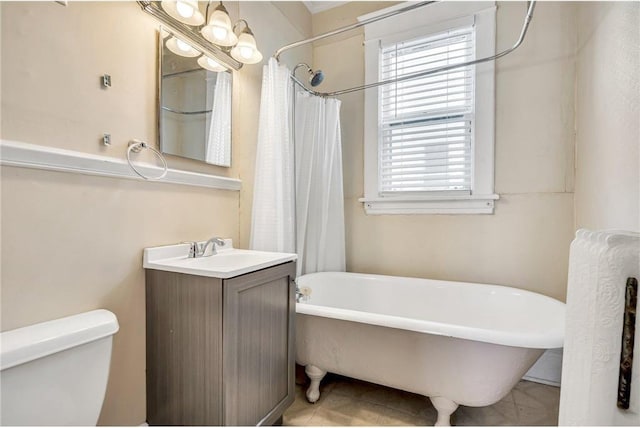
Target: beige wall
525	243
608	116
73	243
88	233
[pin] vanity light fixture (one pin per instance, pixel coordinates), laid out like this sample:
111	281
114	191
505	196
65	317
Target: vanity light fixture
210	64
181	48
218	29
216	39
246	50
185	11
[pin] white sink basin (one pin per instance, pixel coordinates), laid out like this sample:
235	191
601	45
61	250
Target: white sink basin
227	263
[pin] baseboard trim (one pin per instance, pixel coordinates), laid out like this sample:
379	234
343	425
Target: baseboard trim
25	155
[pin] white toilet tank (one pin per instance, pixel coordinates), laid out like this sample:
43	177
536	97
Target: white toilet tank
55	373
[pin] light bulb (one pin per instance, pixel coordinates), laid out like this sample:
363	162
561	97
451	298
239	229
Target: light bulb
185	10
220	33
183	46
179	47
210	64
218	29
246	51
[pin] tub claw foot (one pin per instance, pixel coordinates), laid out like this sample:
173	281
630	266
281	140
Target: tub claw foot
315	374
445	408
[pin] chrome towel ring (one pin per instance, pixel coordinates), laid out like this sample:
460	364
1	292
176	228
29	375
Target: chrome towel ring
136	146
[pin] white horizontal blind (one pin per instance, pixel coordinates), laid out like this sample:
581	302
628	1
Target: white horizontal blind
425	124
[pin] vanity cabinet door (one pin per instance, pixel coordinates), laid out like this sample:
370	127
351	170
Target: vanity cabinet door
184	345
258	351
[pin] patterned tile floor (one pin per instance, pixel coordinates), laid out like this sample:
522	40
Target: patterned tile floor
349	402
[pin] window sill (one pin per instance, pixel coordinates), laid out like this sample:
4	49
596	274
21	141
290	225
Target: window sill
477	204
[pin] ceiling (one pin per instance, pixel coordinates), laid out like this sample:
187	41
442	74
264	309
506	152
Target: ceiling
316	6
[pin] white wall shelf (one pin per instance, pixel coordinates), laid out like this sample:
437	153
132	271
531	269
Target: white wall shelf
24	155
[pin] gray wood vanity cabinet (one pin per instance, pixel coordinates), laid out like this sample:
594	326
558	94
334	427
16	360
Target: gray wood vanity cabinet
220	351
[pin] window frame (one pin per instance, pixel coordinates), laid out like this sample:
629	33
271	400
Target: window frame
423	22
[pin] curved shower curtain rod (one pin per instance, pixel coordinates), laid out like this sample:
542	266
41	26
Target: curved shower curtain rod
525	26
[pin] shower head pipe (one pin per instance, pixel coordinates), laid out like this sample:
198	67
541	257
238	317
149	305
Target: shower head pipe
525	26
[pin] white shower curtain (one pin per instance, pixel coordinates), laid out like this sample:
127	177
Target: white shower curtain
320	240
218	149
273	215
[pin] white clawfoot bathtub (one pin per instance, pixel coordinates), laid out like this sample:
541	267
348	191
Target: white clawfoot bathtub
456	343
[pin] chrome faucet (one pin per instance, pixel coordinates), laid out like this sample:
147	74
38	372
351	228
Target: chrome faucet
193	249
213	241
303	294
199	250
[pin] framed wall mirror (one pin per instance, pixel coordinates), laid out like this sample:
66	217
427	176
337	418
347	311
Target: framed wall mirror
194	103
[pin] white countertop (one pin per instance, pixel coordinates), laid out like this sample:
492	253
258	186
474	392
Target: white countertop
227	263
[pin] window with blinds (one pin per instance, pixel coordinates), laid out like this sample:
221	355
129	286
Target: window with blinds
425	124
